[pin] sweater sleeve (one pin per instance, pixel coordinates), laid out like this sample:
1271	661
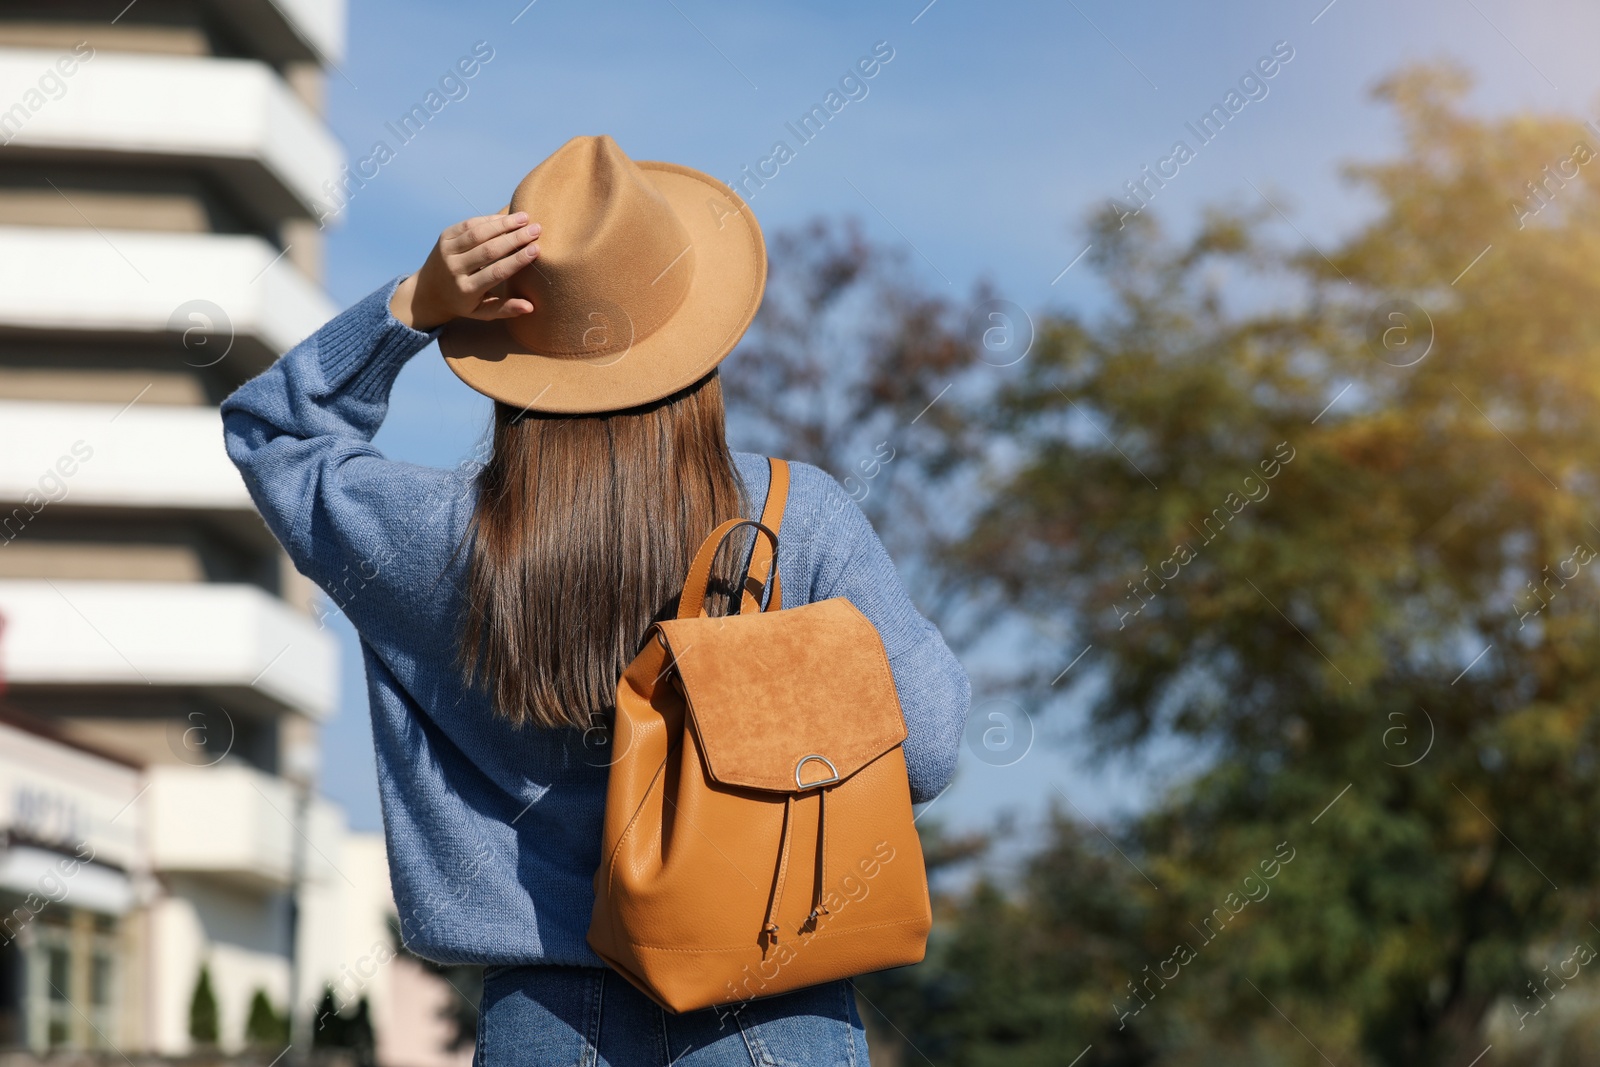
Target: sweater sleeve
372	532
932	685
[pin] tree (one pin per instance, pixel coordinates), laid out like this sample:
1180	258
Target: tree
329	1027
1340	544
265	1027
849	366
359	1036
1019	974
203	1010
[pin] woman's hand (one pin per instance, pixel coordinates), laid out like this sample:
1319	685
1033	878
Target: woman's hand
465	274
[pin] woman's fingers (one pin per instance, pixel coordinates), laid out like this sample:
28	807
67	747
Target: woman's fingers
468	261
455	230
495	307
476	258
503	268
473	232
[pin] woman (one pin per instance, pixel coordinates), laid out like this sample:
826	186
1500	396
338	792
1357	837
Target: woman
497	604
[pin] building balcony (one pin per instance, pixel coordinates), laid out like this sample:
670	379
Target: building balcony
288	31
237	825
232	119
171	284
235	644
288	34
142	456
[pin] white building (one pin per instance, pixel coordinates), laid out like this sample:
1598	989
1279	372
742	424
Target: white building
161	172
68	873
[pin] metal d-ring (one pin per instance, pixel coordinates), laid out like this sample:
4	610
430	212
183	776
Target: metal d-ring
832	770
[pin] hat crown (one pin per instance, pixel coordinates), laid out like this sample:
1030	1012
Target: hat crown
615	261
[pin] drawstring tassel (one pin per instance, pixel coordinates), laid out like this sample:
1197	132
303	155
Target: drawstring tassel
817	906
770	928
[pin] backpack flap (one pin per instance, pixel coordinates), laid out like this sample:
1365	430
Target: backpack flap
785	700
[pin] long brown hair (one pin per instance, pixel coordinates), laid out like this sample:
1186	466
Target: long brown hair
583	532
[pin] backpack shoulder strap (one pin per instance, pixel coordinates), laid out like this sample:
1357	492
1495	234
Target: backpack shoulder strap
761	556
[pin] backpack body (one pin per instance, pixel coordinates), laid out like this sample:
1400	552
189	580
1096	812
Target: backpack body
758	833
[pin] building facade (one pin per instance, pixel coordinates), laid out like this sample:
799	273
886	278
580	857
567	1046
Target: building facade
162	164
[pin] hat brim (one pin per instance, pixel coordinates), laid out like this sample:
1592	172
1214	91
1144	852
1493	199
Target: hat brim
730	275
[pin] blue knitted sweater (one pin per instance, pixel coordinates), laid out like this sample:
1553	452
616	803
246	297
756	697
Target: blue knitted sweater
493	832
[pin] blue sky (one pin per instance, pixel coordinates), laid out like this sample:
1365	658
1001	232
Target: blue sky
982	144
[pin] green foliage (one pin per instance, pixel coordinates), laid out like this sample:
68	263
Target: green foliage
1022	975
844	368
203	1010
1363	590
327	1025
264	1027
332	1029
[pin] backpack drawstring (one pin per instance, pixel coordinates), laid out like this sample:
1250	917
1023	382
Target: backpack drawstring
817	906
770	927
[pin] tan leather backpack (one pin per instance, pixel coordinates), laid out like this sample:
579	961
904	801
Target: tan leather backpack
758	830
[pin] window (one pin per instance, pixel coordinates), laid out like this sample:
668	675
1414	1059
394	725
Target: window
70	970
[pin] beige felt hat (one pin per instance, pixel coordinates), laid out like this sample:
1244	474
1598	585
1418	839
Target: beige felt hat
648	274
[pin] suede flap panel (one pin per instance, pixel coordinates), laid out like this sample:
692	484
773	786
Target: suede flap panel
765	691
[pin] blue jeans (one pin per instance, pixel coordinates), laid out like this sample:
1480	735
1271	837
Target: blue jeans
588	1017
